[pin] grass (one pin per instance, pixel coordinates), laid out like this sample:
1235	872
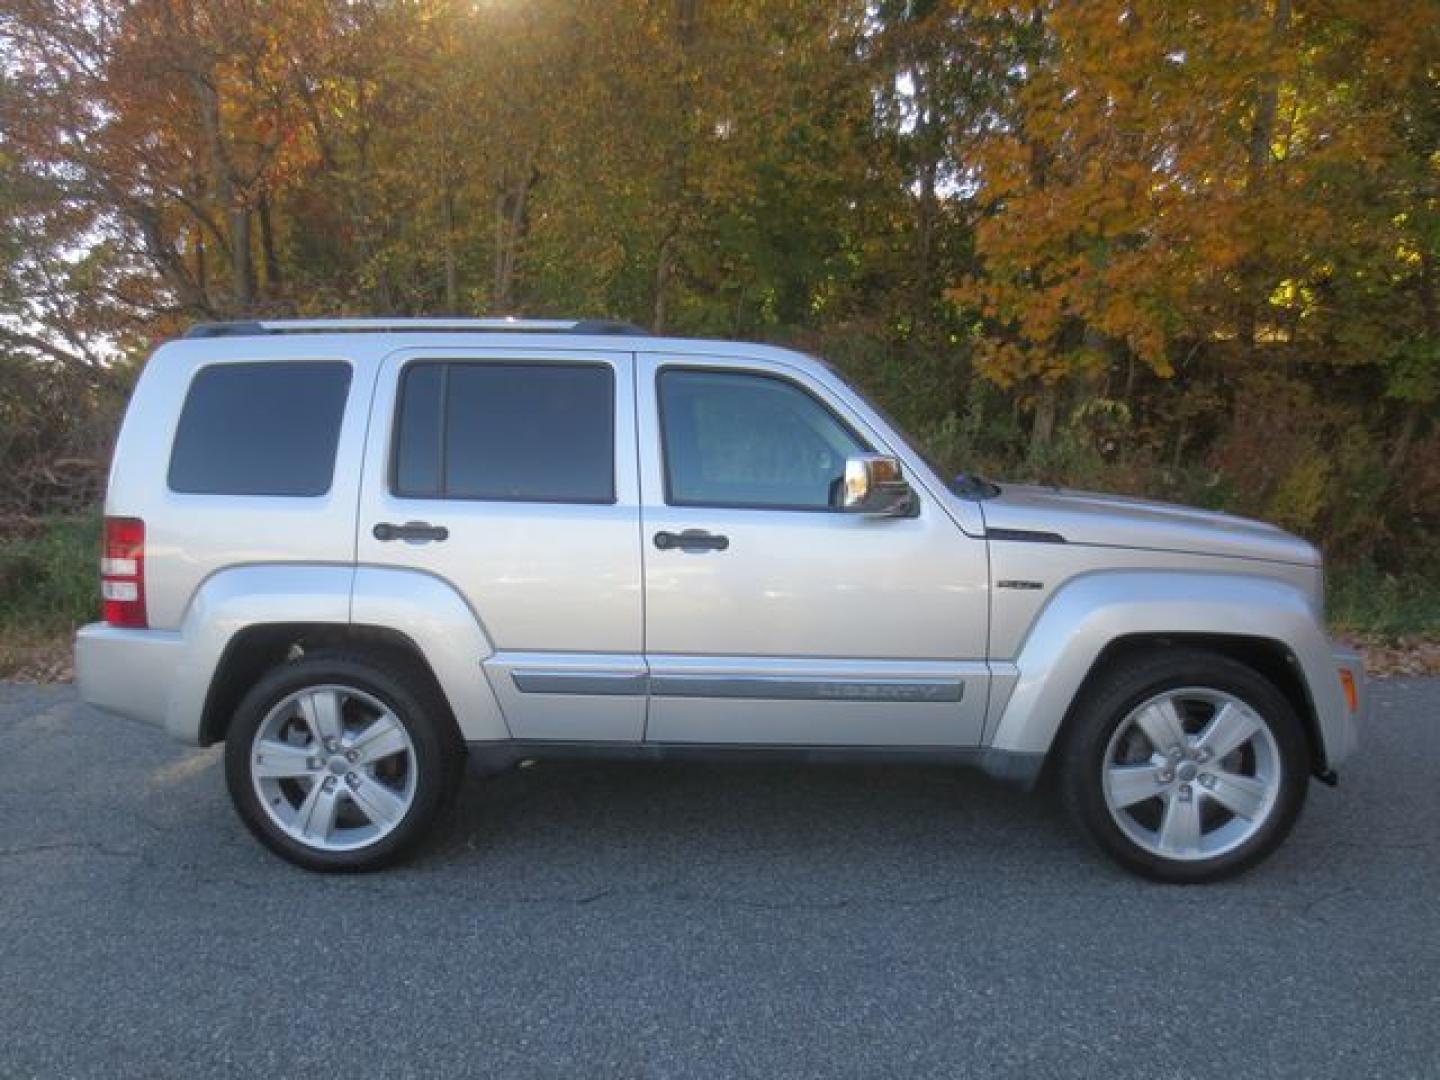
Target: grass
48	587
1367	602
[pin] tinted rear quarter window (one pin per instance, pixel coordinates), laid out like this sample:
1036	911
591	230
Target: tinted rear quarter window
260	429
507	432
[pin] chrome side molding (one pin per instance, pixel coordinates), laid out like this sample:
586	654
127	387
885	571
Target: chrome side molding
604	683
761	687
806	688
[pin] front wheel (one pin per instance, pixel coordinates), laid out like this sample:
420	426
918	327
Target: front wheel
1185	767
336	763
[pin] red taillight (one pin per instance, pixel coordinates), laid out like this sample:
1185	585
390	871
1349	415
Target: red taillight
122	572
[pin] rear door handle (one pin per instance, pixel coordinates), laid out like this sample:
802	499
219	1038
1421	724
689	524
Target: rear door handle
414	532
691	540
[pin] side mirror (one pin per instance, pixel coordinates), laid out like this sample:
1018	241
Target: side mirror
874	484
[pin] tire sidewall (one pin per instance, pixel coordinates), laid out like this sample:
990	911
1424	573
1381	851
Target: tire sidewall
407	706
1097	720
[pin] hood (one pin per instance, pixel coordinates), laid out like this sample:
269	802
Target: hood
1083	517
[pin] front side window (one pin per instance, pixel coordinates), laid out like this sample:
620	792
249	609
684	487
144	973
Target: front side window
260	429
506	432
748	440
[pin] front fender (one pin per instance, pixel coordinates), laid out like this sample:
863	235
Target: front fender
1091	611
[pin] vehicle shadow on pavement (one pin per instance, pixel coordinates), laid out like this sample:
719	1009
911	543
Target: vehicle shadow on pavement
755	828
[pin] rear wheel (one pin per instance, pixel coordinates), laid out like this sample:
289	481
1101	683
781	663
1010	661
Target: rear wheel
1185	766
336	763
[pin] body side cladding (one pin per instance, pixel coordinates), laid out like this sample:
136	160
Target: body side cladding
234	600
448	633
1019	770
415	606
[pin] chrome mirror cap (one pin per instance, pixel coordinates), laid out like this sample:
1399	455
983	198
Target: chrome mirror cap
875	484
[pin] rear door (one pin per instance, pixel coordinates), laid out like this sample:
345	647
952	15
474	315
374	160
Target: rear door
511	475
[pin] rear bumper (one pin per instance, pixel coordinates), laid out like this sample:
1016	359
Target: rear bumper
131	673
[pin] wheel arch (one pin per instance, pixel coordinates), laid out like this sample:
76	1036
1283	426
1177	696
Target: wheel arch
245	620
1271	659
1098	620
259	648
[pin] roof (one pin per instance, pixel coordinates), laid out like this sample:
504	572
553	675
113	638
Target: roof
268	327
367	341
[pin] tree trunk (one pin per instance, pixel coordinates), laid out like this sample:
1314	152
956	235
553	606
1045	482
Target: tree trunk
1430	314
664	260
1262	131
1042	431
1262	138
511	225
926	214
452	282
202	276
929	143
500	278
675	192
222	176
242	265
273	282
169	262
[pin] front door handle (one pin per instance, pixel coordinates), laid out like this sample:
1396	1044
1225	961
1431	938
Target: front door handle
414	532
691	540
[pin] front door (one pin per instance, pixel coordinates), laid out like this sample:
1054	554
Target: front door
526	461
771	618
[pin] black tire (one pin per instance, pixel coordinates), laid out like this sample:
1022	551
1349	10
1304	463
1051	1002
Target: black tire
439	755
1114	695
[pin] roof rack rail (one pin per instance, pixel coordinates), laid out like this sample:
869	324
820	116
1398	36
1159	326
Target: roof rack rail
403	325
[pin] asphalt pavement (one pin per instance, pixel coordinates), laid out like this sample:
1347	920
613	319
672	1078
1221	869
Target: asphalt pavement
699	921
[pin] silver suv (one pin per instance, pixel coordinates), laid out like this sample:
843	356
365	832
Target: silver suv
358	551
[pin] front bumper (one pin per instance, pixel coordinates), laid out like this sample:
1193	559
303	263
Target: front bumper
131	673
1342	733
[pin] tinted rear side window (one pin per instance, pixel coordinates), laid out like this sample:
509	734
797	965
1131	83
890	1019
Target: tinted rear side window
417	462
507	432
260	429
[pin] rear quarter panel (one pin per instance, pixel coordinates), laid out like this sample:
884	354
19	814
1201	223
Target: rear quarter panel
189	537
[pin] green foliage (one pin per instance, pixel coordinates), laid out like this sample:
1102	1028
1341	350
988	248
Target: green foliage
1415	372
1365	600
1188	250
49	576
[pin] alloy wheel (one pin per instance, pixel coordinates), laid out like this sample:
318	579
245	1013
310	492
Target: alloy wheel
1191	774
334	768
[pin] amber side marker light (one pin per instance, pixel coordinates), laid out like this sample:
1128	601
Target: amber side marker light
1352	695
